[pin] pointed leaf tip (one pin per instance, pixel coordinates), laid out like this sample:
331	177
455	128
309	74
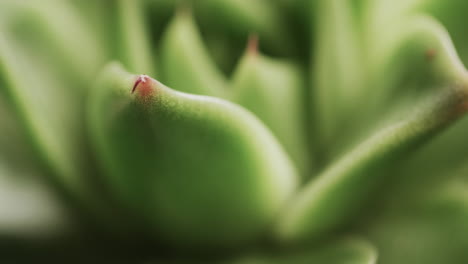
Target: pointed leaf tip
252	44
143	83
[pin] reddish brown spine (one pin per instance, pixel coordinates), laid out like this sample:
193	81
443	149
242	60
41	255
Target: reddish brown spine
141	78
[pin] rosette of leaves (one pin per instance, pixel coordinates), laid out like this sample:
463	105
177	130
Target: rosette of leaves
234	131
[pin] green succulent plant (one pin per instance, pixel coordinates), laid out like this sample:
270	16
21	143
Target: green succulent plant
234	131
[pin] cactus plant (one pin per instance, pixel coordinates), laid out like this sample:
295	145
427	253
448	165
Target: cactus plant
234	131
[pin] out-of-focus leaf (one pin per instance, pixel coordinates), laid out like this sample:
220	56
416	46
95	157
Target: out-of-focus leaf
44	91
36	97
330	199
273	91
56	28
13	147
429	167
451	14
133	42
412	61
203	171
338	66
28	207
185	63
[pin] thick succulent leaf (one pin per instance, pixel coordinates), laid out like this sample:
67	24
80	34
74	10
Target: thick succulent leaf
451	14
407	64
28	208
422	35
397	33
273	90
13	145
337	71
56	28
418	59
203	171
428	168
37	96
45	95
134	48
400	47
436	65
447	152
336	194
185	63
345	251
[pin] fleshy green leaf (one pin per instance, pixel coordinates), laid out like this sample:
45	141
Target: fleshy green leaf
134	44
56	28
37	95
452	15
418	60
28	207
202	170
338	68
273	91
185	63
45	96
417	47
335	194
